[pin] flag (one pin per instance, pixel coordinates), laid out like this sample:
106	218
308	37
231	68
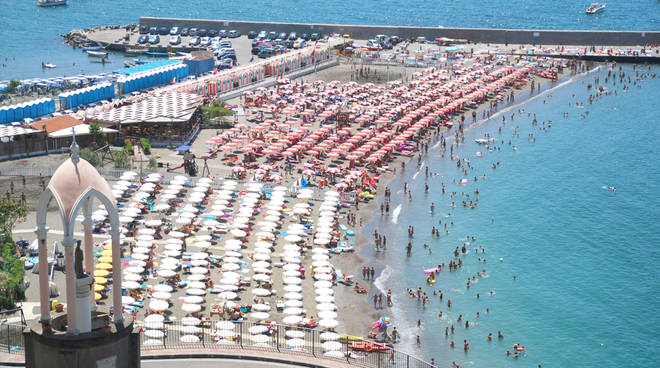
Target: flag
173	80
215	71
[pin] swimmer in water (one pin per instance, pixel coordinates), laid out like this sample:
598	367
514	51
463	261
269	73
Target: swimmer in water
612	188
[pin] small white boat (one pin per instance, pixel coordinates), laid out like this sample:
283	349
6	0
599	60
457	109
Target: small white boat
100	54
481	141
48	65
595	8
47	3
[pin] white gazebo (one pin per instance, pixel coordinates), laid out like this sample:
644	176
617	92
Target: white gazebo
74	186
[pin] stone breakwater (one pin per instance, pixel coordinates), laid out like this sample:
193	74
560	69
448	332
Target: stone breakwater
80	37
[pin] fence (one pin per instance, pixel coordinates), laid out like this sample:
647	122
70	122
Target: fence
11	338
47	171
254	336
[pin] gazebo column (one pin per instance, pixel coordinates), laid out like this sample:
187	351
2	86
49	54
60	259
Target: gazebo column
89	243
117	306
68	242
44	287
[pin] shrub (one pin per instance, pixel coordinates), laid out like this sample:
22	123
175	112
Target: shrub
128	147
90	156
122	160
146	146
153	164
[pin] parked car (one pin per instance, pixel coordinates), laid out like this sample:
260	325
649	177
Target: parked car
143	39
252	35
205	41
289	44
193	32
222	33
272	35
226	64
234	34
305	36
175	40
262	35
282	35
184	32
175	31
315	37
213	33
153	30
266	53
144	30
163	31
194	41
257	49
154	39
293	36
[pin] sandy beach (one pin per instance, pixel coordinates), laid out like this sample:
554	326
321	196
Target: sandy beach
355	311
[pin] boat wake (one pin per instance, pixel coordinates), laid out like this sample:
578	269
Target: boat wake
395	214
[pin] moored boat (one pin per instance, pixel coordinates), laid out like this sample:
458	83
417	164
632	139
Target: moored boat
595	8
47	3
100	54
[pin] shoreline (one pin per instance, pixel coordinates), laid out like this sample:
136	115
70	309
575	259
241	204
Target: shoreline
350	301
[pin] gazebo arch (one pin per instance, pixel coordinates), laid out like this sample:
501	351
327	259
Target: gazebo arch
74	186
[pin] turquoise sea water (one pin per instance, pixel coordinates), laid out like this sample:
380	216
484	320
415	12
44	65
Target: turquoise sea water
585	258
31	34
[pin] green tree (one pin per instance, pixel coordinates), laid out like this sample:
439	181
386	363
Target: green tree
12	271
12	86
122	160
10	213
214	113
90	156
97	134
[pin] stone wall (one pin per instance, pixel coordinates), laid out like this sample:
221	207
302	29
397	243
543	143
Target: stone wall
481	35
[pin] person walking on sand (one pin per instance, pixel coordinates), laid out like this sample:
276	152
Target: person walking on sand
376	301
373	273
380	301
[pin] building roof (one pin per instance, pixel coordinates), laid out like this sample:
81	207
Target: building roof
171	107
56	123
72	179
12	131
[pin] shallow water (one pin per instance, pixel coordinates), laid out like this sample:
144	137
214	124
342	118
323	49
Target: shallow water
31	34
585	257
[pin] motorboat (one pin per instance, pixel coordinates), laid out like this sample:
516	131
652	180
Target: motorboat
100	54
595	8
48	65
47	3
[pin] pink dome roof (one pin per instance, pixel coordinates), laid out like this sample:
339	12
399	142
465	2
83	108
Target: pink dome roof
72	179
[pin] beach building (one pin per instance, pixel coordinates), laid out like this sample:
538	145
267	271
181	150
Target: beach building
166	118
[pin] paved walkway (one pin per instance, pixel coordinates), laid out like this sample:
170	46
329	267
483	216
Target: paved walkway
207	358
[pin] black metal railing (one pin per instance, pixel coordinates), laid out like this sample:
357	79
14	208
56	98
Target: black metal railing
11	338
254	336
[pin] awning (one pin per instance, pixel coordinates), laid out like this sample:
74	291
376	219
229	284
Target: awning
81	129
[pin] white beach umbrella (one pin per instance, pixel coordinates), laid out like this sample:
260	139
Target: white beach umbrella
158	305
196	292
327	314
189	338
225	325
153	318
293	303
260	338
261	307
292	320
326	307
163	287
187	307
294	296
293	288
190	321
259	315
293	311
